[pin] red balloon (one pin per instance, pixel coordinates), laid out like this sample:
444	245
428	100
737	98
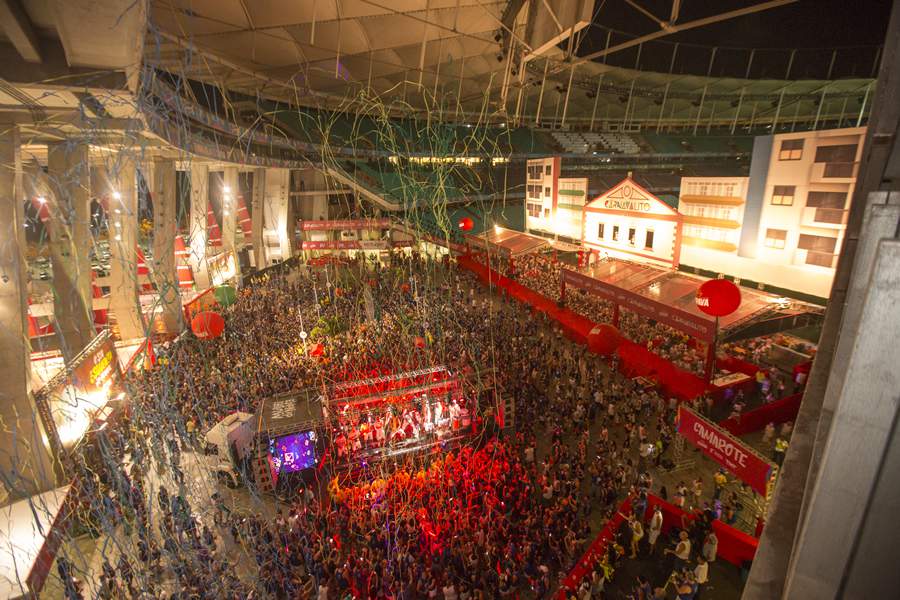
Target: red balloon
317	350
207	325
404	288
466	224
420	342
718	297
604	339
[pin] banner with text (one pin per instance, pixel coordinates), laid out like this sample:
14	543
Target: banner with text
698	327
725	449
345	224
70	401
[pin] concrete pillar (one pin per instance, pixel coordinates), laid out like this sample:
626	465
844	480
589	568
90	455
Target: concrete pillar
165	218
756	195
124	301
277	213
313	207
198	233
69	201
861	436
229	216
25	460
257	199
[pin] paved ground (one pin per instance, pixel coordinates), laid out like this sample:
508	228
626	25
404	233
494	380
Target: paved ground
725	582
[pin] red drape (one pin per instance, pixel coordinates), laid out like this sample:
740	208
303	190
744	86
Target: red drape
776	412
735	546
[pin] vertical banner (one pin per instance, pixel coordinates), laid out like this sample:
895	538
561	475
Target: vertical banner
725	449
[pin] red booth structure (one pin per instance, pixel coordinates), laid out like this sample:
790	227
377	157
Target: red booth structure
735	546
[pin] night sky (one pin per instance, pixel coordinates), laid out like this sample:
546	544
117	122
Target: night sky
815	27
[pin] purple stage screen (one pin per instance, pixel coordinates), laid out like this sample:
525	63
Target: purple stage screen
293	453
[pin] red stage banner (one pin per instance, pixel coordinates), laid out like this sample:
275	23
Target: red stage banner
698	327
345	224
725	449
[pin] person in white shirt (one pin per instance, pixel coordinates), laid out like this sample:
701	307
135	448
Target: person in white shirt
682	550
656	522
701	571
449	592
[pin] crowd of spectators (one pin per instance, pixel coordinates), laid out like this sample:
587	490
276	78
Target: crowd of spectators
542	273
505	518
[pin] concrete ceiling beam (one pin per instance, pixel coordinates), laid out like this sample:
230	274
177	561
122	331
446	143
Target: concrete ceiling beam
17	27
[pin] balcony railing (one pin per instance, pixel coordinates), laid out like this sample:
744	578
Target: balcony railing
821	259
839	170
829	172
830	218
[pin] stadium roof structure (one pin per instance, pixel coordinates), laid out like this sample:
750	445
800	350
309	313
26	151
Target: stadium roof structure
514	61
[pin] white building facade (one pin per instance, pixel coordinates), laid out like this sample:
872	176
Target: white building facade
784	225
630	223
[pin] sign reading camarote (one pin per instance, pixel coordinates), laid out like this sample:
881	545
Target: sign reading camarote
725	449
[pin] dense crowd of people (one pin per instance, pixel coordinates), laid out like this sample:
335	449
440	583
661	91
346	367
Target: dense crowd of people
542	274
503	517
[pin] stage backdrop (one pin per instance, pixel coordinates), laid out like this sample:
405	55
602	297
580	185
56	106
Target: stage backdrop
725	449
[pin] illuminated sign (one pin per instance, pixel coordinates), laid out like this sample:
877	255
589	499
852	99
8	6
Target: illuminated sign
632	205
70	401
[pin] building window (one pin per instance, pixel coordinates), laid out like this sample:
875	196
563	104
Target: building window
775	238
826	199
632	233
817	243
819	249
548	170
615	233
534	211
547	192
838	159
791	150
844	153
648	241
820	259
601	230
546	213
783	195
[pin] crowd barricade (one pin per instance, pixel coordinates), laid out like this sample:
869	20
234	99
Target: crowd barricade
777	412
735	546
595	551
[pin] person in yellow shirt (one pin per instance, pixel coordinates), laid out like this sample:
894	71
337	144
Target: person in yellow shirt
719	479
781	446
